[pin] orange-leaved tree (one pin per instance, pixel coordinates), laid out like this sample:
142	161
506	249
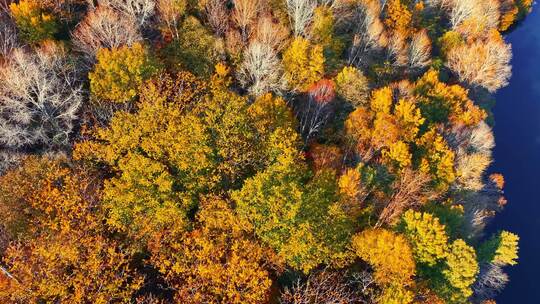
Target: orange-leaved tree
67	255
217	262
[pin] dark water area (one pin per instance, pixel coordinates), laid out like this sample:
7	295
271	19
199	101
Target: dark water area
517	157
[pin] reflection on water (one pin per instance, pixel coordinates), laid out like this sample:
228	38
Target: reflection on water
517	156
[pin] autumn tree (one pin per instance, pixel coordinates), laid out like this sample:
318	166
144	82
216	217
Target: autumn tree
391	258
323	33
385	128
142	197
303	64
441	103
296	215
389	254
195	50
354	189
495	253
67	256
217	262
460	271
18	186
352	86
398	17
524	7
33	22
501	249
509	14
120	71
426	235
436	158
219	145
251	151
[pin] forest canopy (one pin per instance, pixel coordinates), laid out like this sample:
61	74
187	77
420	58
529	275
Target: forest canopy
252	151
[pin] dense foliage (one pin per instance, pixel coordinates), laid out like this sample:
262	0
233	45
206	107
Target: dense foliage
251	151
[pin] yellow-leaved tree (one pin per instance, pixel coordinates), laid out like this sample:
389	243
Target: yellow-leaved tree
460	271
391	257
119	72
33	22
426	235
217	262
295	213
303	64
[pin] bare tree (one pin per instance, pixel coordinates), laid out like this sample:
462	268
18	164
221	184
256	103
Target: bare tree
170	14
439	4
261	70
366	285
473	154
315	111
484	62
480	206
491	280
419	55
410	190
140	10
9	159
471	168
104	28
218	16
324	287
369	32
397	50
39	98
481	138
4	6
481	13
270	33
476	218
8	35
477	139
244	14
491	13
300	15
461	10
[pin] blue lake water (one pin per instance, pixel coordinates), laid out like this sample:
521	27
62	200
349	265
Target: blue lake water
517	157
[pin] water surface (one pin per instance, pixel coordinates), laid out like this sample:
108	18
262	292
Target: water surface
517	157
